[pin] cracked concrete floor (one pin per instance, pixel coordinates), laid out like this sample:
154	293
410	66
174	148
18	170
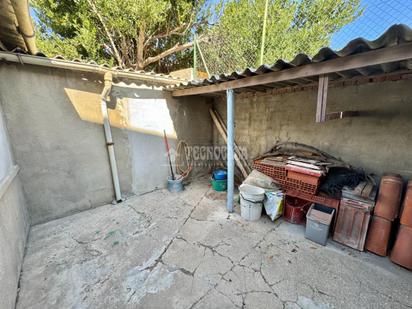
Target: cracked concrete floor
164	250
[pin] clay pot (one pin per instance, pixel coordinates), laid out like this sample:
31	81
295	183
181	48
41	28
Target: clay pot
402	251
378	235
406	216
389	199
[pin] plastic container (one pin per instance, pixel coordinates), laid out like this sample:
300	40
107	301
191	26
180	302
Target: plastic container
220	175
319	219
251	202
219	185
175	185
295	210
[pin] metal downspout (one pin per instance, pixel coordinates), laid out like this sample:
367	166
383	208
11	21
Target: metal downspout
230	150
25	26
108	78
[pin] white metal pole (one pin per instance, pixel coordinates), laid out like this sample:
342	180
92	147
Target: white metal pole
262	47
110	149
108	134
230	149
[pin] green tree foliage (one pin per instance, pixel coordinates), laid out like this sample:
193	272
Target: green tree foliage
141	34
293	26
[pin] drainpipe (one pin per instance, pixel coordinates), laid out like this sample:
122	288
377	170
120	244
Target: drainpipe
21	11
108	77
230	150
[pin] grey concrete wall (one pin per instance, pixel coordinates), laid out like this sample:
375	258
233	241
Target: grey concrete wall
5	152
14	227
192	123
380	140
63	159
14	223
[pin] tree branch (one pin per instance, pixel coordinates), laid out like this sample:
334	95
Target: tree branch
140	48
175	49
109	36
175	31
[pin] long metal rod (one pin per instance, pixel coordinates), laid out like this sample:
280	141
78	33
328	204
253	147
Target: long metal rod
109	139
230	149
203	58
194	72
262	47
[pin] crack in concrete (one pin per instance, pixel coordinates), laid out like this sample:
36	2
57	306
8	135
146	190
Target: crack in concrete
201	298
227	297
159	259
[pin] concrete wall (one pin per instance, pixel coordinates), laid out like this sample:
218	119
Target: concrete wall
14	223
5	153
53	118
192	124
380	140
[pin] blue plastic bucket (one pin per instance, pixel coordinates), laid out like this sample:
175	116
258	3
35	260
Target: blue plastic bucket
219	174
175	185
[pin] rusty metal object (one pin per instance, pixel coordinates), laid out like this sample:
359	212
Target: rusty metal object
389	198
352	223
378	236
402	250
406	216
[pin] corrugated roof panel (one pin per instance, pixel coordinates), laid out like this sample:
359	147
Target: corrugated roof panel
395	35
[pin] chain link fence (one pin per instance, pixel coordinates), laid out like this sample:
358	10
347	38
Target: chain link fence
226	49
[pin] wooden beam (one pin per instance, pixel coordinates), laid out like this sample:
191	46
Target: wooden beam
239	153
375	57
223	133
322	98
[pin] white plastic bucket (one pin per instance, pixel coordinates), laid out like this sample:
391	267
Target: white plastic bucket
251	199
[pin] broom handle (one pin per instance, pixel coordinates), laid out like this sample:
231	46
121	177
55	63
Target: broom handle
168	154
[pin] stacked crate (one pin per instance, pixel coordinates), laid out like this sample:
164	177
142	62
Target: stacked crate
289	177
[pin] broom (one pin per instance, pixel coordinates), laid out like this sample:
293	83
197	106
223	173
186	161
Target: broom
168	154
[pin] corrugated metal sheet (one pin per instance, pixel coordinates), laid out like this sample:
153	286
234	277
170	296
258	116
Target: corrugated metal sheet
395	35
119	69
59	62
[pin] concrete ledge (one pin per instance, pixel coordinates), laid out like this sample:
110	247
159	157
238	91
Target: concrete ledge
5	183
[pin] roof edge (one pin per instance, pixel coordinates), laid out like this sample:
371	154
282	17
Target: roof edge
86	67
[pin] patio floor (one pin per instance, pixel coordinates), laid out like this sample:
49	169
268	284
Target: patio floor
163	250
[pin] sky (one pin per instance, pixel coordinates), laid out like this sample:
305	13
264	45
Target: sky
378	16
